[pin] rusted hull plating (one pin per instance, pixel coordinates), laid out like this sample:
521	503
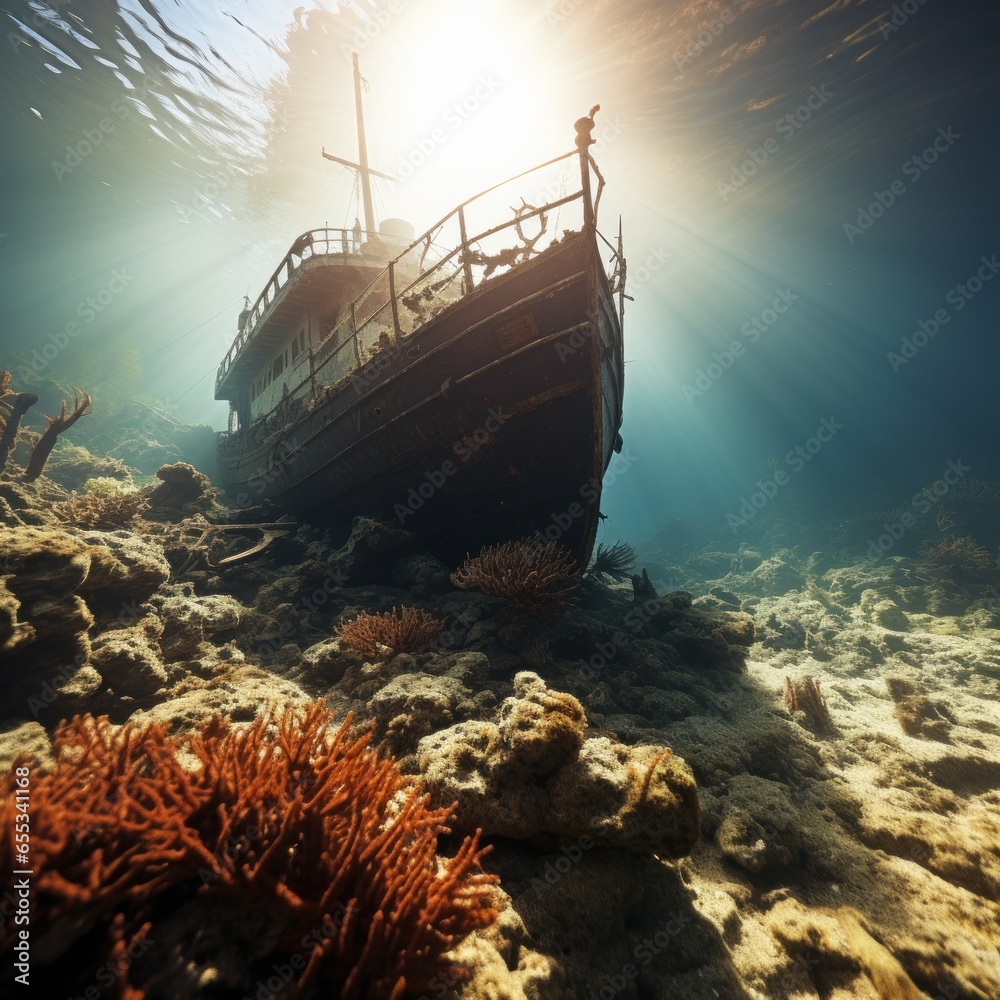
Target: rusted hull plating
496	420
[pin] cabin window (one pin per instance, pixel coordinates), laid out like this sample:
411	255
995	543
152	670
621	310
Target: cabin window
279	365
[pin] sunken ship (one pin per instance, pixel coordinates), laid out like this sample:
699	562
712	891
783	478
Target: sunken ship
465	383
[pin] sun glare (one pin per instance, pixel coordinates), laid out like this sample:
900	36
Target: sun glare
463	106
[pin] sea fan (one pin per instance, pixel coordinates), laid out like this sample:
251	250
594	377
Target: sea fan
536	578
374	636
281	817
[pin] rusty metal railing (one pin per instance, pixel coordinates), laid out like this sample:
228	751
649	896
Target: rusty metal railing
442	265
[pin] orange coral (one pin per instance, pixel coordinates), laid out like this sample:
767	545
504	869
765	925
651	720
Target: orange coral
535	577
322	823
409	631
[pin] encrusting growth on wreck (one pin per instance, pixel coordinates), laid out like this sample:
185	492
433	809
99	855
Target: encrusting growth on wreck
282	815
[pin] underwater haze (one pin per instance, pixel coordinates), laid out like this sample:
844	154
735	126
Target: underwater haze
831	161
750	751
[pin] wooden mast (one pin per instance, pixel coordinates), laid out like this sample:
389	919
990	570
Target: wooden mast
365	172
366	181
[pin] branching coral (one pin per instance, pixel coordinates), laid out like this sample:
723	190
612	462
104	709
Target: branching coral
105	513
122	833
536	578
45	444
961	554
13	406
409	631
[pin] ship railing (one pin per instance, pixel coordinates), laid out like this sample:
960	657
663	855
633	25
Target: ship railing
447	262
451	259
324	242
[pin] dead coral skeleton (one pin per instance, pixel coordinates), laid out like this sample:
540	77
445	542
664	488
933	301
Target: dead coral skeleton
803	695
409	630
105	513
961	554
45	444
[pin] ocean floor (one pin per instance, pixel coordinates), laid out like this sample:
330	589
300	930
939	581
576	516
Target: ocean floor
825	825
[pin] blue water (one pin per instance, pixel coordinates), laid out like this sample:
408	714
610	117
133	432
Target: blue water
159	158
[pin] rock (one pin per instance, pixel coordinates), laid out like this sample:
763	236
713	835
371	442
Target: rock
129	660
423	575
847	960
123	565
758	828
183	491
369	551
189	621
412	705
29	738
702	637
775	576
43	562
919	715
43	622
535	774
241	692
325	662
884	612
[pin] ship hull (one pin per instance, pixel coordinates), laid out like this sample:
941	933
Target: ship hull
496	420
